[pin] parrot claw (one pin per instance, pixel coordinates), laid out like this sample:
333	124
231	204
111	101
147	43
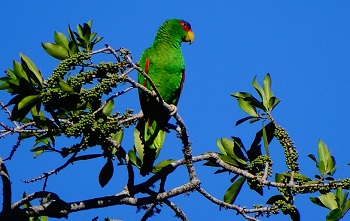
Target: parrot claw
172	109
154	93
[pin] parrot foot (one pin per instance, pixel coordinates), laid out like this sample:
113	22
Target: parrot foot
172	109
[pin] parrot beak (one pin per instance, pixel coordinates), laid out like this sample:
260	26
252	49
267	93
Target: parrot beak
189	37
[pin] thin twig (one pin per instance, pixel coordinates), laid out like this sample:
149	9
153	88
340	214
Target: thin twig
239	209
112	97
14	148
149	212
178	211
131	176
4	107
6	190
108	49
55	171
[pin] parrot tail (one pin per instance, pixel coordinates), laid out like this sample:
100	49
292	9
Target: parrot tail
148	139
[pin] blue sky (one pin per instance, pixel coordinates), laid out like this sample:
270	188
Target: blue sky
304	45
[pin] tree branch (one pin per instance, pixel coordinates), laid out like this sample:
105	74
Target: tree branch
6	191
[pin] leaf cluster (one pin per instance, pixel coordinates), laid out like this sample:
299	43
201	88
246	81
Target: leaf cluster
82	40
72	101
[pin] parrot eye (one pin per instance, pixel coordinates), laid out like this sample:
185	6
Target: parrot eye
185	25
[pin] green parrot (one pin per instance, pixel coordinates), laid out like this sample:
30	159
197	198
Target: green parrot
164	64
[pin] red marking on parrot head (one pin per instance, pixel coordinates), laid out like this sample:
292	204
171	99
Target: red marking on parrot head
185	25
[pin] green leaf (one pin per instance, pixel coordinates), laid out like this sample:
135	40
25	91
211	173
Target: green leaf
61	39
90	23
245	119
92	36
344	197
44	218
266	143
30	67
4	83
11	73
259	90
228	146
246	107
15	84
294	214
323	153
273	102
317	201
80	30
297	176
73	49
18	70
335	215
233	150
73	45
241	95
302	177
279	178
322	167
228	160
331	166
238	142
108	108
312	157
162	164
38	114
28	101
121	155
233	191
98	39
138	144
86	33
55	50
39	150
254	119
267	90
329	200
118	137
65	87
269	132
346	206
134	159
70	33
340	198
42	139
220	146
106	173
239	156
250	99
20	115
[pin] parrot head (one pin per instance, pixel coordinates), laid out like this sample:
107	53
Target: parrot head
189	37
180	29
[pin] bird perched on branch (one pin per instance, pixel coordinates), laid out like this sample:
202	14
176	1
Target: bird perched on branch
164	64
